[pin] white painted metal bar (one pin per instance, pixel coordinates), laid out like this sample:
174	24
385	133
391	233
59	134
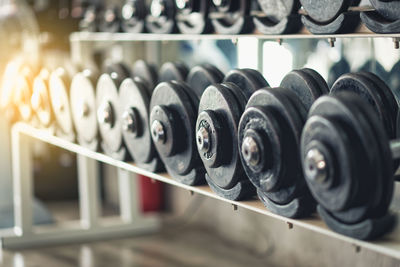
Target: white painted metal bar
22	183
128	196
89	194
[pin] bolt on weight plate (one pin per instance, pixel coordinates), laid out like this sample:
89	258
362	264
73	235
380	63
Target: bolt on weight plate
344	132
161	17
192	16
59	85
133	14
172	126
40	99
107	103
202	76
110	20
173	71
231	17
147	73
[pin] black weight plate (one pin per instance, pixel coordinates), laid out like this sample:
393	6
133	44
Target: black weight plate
59	86
338	69
274	116
40	100
192	17
235	20
305	86
110	20
395	80
117	71
133	14
173	98
376	68
319	79
278	10
146	72
173	71
368	90
221	101
387	8
134	97
247	79
202	76
90	20
83	105
325	10
161	18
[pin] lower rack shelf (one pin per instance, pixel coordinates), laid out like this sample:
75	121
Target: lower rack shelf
388	245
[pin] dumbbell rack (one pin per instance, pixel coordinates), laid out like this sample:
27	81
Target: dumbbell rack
24	234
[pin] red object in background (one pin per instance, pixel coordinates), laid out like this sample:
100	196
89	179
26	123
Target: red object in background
151	194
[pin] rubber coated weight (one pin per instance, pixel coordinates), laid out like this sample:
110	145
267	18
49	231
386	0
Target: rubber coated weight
278	17
192	16
133	15
83	108
40	100
173	71
59	86
248	80
134	101
202	76
161	18
395	81
110	20
147	73
107	102
172	125
390	10
90	20
325	11
231	17
338	69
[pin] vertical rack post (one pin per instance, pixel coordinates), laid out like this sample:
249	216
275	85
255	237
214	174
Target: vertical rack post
128	196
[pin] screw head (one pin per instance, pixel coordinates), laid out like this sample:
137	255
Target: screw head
315	166
105	114
203	140
129	122
158	132
182	4
251	151
157	8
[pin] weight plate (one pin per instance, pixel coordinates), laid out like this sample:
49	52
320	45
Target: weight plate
246	79
161	18
220	106
202	76
278	10
395	81
133	14
325	11
386	8
338	69
376	68
90	19
307	84
133	110
232	17
172	124
40	100
173	71
59	85
146	72
110	20
83	105
192	16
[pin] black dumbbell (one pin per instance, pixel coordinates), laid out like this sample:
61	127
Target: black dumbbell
83	108
220	108
134	110
385	18
173	71
192	16
338	69
107	102
269	142
110	20
348	165
329	17
40	100
202	76
161	17
133	15
231	16
59	89
277	17
90	20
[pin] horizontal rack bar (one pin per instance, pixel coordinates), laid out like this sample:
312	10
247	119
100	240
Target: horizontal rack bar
388	245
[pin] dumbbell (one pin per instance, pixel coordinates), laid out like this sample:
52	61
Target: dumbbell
395	80
231	17
269	142
59	88
374	66
83	108
134	109
192	16
330	16
202	76
90	20
338	69
277	17
107	103
174	106
110	20
385	18
348	164
220	108
40	100
23	92
173	71
161	18
133	15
